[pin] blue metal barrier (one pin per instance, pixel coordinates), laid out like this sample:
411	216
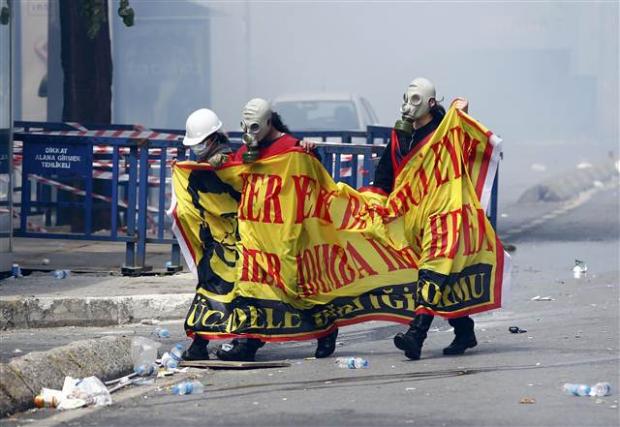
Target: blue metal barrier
59	156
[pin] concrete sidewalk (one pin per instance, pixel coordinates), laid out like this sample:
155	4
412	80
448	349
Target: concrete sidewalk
39	300
99	298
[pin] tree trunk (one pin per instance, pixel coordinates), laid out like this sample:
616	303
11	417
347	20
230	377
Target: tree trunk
87	93
87	65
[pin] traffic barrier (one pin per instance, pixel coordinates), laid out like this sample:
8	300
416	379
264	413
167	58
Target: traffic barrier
77	173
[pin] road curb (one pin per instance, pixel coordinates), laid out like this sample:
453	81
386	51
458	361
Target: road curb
564	187
47	312
22	378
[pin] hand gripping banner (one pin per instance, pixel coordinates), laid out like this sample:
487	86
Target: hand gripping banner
282	252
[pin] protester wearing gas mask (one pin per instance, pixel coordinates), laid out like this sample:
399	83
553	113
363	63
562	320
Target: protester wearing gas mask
266	135
421	115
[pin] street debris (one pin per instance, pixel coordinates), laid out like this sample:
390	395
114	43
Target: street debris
597	390
579	269
48	398
527	400
539	298
75	393
17	351
149	322
188	387
16	271
45	261
61	274
161	333
143	355
91	391
171	360
352	362
516	330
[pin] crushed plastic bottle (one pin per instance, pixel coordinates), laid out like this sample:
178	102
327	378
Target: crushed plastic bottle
161	333
352	362
145	369
143	355
188	387
579	269
61	274
597	390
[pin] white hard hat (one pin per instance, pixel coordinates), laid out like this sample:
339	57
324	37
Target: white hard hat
199	125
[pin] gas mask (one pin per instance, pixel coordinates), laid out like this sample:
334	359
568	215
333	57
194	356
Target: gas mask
415	103
212	150
256	124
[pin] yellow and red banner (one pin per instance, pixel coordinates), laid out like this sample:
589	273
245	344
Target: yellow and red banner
282	252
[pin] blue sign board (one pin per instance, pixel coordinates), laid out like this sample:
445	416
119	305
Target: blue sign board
46	158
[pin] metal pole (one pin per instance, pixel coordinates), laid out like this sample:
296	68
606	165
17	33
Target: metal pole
142	205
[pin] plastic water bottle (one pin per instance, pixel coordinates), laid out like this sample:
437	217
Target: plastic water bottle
145	369
61	274
188	387
177	352
600	389
168	361
352	362
579	269
597	390
16	271
161	333
576	389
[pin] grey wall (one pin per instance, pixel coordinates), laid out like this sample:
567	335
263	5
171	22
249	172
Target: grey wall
532	71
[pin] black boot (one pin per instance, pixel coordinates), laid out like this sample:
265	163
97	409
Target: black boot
464	336
198	350
412	340
326	345
240	350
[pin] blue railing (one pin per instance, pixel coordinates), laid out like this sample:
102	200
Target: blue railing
72	177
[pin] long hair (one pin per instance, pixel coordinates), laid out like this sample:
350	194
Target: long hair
437	111
276	122
221	138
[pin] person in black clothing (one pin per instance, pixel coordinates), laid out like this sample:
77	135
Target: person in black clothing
421	115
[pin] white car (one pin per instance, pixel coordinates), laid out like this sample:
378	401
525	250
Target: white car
330	112
325	111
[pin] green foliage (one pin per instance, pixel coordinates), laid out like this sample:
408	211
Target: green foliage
5	14
126	12
94	12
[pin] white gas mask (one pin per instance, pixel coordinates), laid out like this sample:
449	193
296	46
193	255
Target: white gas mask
255	120
416	99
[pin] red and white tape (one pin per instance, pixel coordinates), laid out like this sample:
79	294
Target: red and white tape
80	192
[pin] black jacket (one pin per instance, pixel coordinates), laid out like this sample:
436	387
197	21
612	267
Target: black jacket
384	173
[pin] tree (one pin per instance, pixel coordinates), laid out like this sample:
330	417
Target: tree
86	58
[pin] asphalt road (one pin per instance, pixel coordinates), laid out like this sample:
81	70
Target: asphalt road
574	337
